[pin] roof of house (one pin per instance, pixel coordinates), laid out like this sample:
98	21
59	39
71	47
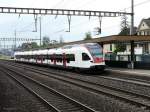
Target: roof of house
147	21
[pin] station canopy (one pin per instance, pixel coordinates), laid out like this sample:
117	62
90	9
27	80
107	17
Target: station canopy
112	39
107	40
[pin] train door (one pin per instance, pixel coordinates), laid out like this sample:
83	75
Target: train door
54	58
64	60
41	59
85	60
36	58
47	58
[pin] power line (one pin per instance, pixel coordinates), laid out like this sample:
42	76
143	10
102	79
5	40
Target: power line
135	5
58	3
32	3
141	3
72	26
23	28
84	4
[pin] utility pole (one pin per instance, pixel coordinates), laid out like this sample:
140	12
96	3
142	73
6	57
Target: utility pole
4	47
132	18
0	45
15	40
132	33
40	31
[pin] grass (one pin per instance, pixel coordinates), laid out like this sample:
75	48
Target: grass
5	57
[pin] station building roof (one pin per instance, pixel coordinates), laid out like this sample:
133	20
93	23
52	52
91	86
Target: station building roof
113	39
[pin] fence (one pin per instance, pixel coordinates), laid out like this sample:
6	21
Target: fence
141	61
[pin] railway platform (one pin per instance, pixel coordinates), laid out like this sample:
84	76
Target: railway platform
138	72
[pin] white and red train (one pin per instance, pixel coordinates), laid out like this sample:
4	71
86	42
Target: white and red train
82	56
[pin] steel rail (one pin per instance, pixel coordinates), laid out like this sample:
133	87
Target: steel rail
98	91
32	92
84	107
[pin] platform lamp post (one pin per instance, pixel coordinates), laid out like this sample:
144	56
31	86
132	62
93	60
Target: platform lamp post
132	33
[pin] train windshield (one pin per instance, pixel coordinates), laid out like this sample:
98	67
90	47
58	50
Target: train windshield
95	50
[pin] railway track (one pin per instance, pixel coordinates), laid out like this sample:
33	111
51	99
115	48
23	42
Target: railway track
130	97
23	97
117	76
55	100
139	80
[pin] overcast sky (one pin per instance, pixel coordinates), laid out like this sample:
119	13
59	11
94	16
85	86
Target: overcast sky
57	27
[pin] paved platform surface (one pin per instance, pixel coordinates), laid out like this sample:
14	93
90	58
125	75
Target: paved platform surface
140	72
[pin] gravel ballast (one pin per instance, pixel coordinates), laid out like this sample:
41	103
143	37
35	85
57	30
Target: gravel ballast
14	98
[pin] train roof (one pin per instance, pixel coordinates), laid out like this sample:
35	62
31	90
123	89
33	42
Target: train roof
67	48
77	45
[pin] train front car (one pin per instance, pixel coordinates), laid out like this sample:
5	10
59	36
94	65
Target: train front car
96	53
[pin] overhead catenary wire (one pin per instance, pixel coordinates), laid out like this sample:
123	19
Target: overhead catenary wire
86	3
140	3
33	2
135	5
58	4
72	26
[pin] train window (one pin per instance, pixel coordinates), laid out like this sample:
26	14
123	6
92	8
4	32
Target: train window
52	58
45	57
34	56
49	57
85	57
59	58
29	56
70	57
67	58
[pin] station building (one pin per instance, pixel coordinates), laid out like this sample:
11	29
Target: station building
137	47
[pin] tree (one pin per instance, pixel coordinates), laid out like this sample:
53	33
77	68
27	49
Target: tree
124	22
88	36
28	46
120	47
125	31
97	30
34	45
46	41
124	26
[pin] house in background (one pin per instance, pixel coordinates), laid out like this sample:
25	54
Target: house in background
144	27
141	48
